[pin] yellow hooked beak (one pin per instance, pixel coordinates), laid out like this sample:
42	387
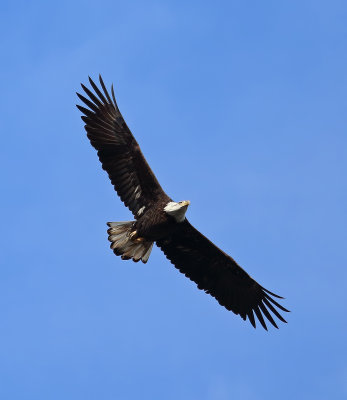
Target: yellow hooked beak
185	203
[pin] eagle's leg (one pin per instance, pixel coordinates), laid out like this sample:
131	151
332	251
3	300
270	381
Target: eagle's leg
133	236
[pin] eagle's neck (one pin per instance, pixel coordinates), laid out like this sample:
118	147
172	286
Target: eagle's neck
177	210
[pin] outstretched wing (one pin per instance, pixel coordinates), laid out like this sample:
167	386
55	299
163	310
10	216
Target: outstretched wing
118	151
219	275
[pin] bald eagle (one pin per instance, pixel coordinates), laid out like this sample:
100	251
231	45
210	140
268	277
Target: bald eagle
160	220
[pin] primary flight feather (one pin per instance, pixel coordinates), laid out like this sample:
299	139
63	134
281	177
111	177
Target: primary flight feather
160	220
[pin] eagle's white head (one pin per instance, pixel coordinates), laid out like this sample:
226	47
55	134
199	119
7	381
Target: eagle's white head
177	210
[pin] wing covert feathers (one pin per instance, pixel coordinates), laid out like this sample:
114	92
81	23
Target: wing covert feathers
118	151
219	275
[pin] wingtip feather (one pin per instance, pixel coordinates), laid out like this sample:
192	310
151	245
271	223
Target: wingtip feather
260	317
251	318
267	315
113	96
104	89
272	294
275	303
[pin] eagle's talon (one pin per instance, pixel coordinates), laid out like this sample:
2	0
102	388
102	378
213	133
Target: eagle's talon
132	234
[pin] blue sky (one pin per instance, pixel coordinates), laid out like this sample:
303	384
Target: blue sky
239	107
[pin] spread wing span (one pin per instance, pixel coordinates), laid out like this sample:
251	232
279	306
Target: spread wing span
191	253
118	151
219	275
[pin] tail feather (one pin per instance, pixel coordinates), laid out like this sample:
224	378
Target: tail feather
145	257
125	245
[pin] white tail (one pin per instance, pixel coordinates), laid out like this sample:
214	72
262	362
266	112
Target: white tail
124	244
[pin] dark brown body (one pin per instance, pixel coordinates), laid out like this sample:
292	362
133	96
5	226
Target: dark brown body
155	224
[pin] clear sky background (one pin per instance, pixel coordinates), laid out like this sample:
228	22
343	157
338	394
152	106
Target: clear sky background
238	106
